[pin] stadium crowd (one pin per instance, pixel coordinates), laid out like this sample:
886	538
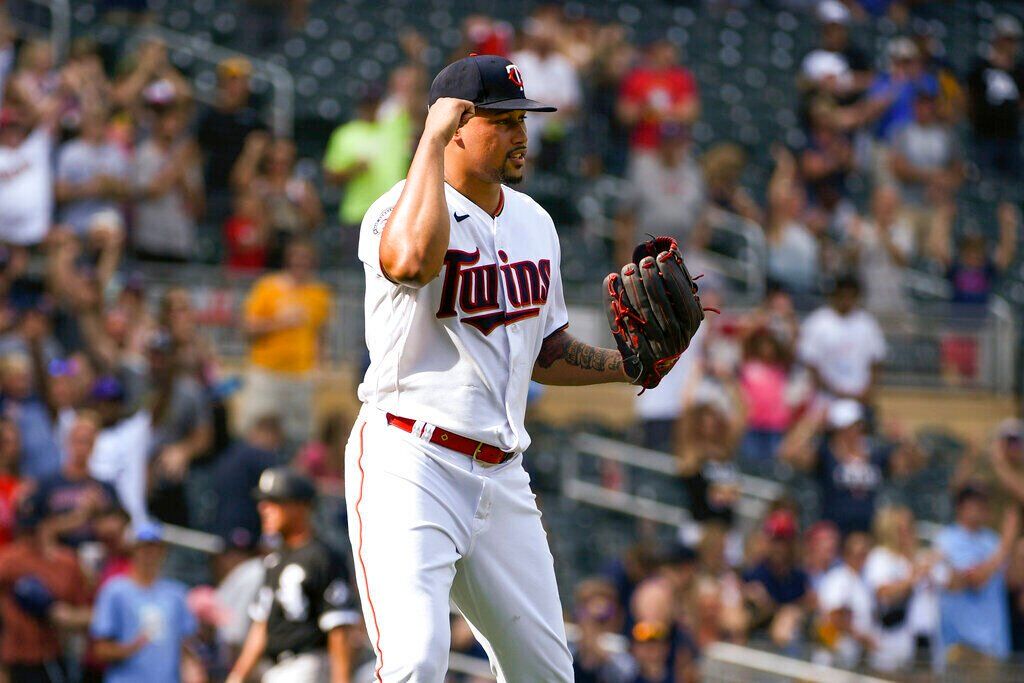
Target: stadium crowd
113	401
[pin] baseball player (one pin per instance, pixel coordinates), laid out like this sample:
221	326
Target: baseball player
464	307
302	609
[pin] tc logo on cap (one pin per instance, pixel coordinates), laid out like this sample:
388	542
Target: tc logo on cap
514	75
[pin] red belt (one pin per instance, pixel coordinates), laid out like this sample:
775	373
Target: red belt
478	450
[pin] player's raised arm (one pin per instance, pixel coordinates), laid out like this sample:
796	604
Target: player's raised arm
415	239
566	361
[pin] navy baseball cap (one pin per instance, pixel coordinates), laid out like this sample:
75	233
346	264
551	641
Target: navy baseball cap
283	484
488	81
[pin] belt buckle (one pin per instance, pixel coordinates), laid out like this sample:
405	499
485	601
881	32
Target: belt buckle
479	445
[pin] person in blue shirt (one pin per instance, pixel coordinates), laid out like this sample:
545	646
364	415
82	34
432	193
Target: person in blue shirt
973	616
890	99
141	622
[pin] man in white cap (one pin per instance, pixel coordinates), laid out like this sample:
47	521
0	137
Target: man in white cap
833	446
835	46
994	97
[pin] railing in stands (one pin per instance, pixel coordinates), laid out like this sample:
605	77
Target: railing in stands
194	48
728	663
758	493
60	21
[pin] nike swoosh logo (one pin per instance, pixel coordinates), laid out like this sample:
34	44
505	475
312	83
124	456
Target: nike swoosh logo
458	218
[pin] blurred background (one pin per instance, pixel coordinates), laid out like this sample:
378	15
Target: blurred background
829	478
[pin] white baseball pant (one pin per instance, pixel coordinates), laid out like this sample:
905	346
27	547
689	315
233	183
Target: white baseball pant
429	527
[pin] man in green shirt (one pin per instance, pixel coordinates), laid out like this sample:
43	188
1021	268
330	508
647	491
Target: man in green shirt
367	156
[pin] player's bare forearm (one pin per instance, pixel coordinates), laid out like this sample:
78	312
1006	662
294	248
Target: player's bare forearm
415	239
566	361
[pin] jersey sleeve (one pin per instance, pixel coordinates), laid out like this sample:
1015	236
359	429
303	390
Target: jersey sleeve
337	600
373	227
259	610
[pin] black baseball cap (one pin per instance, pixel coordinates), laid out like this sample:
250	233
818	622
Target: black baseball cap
488	81
284	484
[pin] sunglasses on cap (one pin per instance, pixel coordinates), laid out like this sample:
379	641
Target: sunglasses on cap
649	632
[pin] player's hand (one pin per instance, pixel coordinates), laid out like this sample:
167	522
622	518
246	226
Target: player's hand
446	116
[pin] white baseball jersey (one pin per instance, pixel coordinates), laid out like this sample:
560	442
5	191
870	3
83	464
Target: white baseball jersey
458	352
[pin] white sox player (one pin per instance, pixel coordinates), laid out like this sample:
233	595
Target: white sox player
464	306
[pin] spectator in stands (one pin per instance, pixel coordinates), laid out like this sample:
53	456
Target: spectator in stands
890	99
36	76
656	92
777	591
607	137
994	88
27	123
111	530
974	620
242	571
972	269
222	132
845	608
237	472
723	166
598	616
882	247
22	403
705	446
485	35
849	468
718	611
842	345
827	159
658	410
91	178
764	384
246	233
141	621
72	498
1006	458
821	551
286	315
182	429
43	598
651	647
168	183
147	66
666	196
794	254
366	156
121	452
899	575
926	162
323	460
11	485
835	43
291	205
548	73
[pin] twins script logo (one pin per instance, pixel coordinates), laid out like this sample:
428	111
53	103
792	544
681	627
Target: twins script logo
478	294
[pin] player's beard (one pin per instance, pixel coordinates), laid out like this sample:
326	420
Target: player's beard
509	175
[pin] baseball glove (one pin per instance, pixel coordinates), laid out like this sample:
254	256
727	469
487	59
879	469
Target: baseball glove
653	310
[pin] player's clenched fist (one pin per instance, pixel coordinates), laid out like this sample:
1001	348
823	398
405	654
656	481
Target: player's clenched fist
446	116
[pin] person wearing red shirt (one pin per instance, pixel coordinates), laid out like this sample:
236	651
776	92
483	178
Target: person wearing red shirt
656	92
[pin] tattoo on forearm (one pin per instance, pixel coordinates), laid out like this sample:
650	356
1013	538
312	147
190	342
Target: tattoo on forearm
562	346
